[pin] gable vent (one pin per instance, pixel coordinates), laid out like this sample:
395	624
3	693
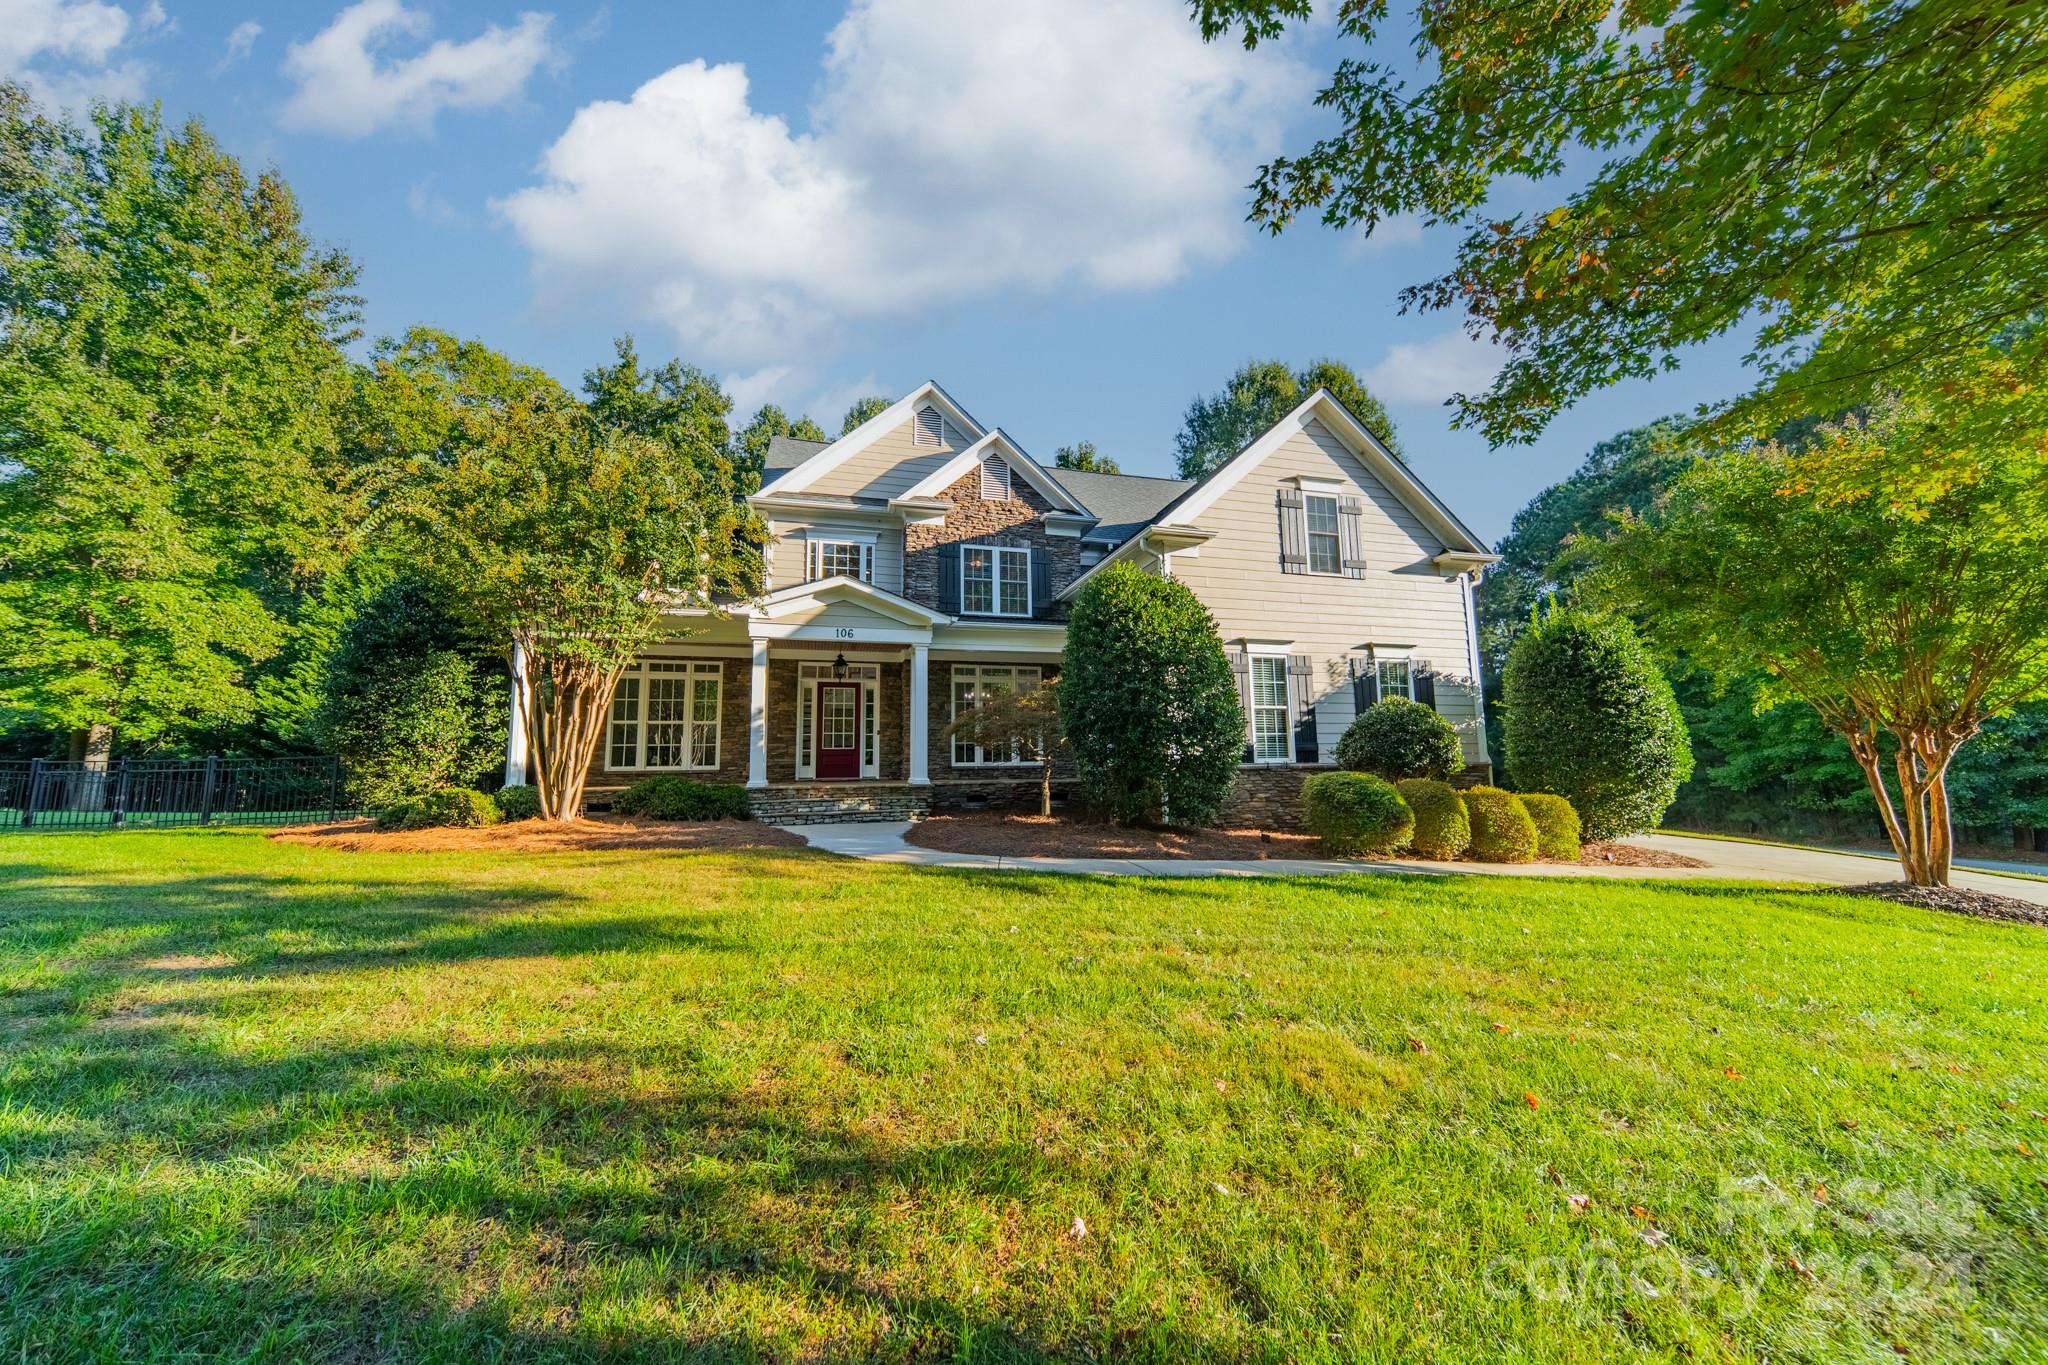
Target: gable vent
930	432
995	480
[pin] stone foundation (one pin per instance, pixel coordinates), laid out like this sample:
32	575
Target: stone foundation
827	803
1015	795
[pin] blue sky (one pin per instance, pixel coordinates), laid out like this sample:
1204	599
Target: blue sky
1038	205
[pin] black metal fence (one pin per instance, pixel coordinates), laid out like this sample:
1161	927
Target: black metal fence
154	793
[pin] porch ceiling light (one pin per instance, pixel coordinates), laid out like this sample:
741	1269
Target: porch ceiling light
839	668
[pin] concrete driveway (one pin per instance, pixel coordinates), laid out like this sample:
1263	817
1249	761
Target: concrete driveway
882	842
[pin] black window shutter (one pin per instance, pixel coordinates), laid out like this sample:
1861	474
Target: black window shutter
1241	669
1351	540
1301	679
1365	684
949	578
1293	531
1305	737
1425	686
1041	578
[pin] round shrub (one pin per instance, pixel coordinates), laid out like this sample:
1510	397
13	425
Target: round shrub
1150	707
1355	813
1586	713
1502	831
683	798
1442	829
447	808
519	803
1399	738
1557	826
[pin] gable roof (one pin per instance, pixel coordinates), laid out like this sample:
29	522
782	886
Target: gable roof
786	453
809	471
999	444
1125	503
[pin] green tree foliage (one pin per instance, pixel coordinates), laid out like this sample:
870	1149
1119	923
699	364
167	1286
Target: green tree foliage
863	409
1905	625
682	407
1026	723
410	704
1082	456
1354	813
170	370
570	540
1865	186
1257	396
1150	705
1590	716
750	446
1397	738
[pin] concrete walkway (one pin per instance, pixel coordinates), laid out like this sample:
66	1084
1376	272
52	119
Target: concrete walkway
882	842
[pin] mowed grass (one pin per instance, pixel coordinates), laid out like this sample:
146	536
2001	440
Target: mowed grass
274	1102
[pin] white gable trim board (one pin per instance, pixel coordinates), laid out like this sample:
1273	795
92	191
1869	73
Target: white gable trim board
998	443
867	433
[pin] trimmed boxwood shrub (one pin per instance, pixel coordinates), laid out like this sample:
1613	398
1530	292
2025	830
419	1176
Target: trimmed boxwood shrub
1502	831
1442	829
1398	738
683	798
1557	825
519	803
447	808
1355	813
1149	703
1586	713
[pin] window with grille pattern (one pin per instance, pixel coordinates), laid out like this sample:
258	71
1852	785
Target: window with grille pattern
1270	741
665	714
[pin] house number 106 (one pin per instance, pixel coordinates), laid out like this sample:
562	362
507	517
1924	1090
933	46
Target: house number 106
842	632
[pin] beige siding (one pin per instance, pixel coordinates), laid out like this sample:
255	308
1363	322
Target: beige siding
835	614
788	557
1403	599
892	465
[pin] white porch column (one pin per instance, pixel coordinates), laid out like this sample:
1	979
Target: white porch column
920	715
515	737
757	718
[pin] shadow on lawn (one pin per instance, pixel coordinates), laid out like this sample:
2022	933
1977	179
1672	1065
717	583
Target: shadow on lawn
180	1192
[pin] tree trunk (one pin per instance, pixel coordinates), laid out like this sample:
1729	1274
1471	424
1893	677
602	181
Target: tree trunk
93	747
1045	787
568	700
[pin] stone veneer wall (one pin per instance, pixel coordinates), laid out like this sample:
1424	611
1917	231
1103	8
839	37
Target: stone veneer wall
940	702
1016	521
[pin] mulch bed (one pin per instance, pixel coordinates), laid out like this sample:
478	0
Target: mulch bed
1040	836
544	836
1955	900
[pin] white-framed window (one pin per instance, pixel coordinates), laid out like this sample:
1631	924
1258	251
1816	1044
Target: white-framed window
1397	679
831	558
929	429
808	674
1272	736
1319	513
665	714
995	580
973	683
995	479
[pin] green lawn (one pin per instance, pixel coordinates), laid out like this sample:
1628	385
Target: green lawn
269	1101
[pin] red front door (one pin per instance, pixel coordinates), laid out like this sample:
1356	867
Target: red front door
838	730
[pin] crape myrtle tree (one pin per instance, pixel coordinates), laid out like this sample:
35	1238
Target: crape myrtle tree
170	372
1864	186
1904	621
1260	394
1024	723
567	538
1150	704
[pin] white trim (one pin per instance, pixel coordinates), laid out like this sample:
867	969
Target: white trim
643	677
515	733
826	591
953	711
1014	455
757	717
1378	460
1333	494
1151	540
1472	637
1254	653
920	726
872	430
816	538
995	580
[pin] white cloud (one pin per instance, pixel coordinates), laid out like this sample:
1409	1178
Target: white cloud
951	151
64	50
1428	372
1403	229
346	84
241	42
430	205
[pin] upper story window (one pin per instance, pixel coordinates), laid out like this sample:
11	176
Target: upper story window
995	580
842	558
930	430
1319	510
995	479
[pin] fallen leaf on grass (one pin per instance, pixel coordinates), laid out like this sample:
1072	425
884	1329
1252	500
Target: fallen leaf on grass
2024	1149
1533	1101
1500	1028
1732	1074
1579	1202
1417	1045
1638	1210
1849	1123
1079	1231
1655	1237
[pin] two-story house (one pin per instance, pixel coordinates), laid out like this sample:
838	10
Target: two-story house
923	560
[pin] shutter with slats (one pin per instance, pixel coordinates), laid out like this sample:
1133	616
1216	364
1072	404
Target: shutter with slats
1041	578
930	428
1424	683
949	578
1241	669
995	480
1351	536
1293	532
1301	680
1365	684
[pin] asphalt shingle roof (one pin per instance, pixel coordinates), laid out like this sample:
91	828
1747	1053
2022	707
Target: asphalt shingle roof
1126	503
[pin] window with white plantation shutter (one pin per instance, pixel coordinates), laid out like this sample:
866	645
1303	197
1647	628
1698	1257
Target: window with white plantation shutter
930	430
995	479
